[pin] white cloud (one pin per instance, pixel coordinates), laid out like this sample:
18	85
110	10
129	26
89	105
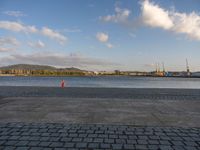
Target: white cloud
38	44
8	44
187	24
5	49
14	13
120	16
154	16
17	27
9	41
53	35
109	45
102	37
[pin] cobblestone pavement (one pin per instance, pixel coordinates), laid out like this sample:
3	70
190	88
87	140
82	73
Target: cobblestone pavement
36	136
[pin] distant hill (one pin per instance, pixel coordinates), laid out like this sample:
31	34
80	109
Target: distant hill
36	67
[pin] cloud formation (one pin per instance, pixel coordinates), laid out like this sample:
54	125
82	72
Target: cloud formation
102	37
120	16
17	27
45	31
38	44
8	41
8	44
153	15
14	13
59	60
5	49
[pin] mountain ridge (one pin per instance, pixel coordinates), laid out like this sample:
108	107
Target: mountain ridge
36	67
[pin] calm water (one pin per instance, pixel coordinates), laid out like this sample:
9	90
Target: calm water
122	82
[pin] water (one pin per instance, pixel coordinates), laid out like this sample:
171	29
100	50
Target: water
105	81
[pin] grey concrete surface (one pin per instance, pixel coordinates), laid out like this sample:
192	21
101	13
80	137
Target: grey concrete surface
121	93
181	113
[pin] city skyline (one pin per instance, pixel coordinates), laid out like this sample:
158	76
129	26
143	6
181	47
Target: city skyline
106	35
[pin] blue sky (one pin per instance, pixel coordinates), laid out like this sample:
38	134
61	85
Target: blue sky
101	35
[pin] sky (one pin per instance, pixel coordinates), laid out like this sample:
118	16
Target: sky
101	35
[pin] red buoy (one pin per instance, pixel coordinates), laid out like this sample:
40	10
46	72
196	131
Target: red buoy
62	84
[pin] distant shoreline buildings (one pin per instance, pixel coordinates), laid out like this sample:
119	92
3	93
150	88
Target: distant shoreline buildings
39	70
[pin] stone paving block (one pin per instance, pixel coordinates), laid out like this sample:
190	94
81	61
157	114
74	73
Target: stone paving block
56	144
153	147
36	148
22	143
117	146
44	144
22	148
59	148
131	141
8	148
178	147
109	141
129	147
177	143
165	147
153	142
141	147
69	145
188	143
113	136
142	142
120	141
77	139
93	145
105	146
191	148
81	145
165	142
9	143
33	143
98	140
88	140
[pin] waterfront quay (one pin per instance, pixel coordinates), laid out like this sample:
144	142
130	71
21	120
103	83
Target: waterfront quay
99	118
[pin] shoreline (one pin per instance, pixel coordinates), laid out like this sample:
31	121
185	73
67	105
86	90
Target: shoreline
12	75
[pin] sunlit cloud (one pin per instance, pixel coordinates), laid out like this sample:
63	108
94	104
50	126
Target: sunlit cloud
186	23
6	49
120	16
53	35
102	37
153	15
17	27
45	31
